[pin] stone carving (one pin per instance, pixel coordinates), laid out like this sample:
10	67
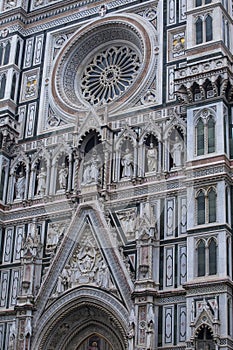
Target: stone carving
53	120
38	2
55	233
150	328
12	336
131	332
86	266
127	164
103	10
20	186
150	13
28	327
149	97
62	176
30	85
176	152
91	169
41	177
113	71
10	3
128	220
152	156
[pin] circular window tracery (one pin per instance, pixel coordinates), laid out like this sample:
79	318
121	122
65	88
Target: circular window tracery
109	74
109	62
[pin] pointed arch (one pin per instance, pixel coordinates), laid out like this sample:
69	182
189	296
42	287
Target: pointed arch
209	27
204	337
212	245
201	207
199	30
212	204
17	53
2	85
201	260
211	134
13	86
7	53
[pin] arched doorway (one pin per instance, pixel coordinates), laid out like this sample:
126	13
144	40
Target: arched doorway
204	339
83	319
95	342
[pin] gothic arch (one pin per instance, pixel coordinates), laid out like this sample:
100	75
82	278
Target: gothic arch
21	158
85	138
42	153
175	123
78	314
205	114
61	150
126	134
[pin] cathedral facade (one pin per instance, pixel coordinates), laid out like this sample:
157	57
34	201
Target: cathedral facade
115	174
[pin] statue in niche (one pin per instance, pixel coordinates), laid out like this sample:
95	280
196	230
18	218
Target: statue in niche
63	280
94	346
41	177
127	164
20	186
62	176
128	221
176	152
149	338
103	275
91	169
53	235
152	156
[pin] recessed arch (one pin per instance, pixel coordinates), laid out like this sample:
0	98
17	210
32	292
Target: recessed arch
77	315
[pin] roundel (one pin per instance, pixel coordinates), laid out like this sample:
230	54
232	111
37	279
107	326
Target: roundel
109	62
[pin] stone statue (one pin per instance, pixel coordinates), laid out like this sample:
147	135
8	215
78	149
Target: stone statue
103	275
62	176
53	235
152	155
28	327
20	186
149	338
131	334
41	177
94	346
127	164
91	170
63	281
176	152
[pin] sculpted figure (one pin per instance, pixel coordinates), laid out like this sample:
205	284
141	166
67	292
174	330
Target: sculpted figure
131	334
176	152
152	158
127	164
62	176
91	170
20	186
103	275
41	181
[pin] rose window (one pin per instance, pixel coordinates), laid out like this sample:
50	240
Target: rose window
109	74
111	61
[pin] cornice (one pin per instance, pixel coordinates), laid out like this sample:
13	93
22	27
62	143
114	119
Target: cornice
61	14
